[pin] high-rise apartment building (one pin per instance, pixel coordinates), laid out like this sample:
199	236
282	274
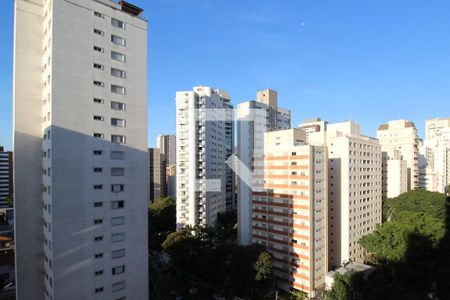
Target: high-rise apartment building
395	174
428	177
290	213
354	188
354	191
204	143
314	126
167	144
254	118
402	135
80	150
158	184
6	176
437	140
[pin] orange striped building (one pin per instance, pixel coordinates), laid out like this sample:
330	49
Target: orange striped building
289	209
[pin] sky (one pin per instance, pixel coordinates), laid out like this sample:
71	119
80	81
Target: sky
370	61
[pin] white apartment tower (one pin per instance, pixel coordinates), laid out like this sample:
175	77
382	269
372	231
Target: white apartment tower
437	139
354	191
428	177
80	142
254	118
290	213
402	135
354	188
204	142
395	174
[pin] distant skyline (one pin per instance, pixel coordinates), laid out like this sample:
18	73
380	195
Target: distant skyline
367	61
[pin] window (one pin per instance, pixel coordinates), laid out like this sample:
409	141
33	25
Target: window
117	40
98	238
98	135
118	24
98	152
98	255
98	204
118	270
98	49
98	118
99	83
116	188
117	56
116	221
118	122
117	89
97	14
98	66
117	73
99	290
99	273
98	187
117	237
118	286
98	31
117	204
118	139
117	155
99	101
117	105
118	253
117	171
98	170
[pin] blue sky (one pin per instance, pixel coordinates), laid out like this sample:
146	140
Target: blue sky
371	61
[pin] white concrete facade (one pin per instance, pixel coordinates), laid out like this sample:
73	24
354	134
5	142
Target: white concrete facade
80	137
402	135
290	214
203	145
395	174
254	118
437	140
355	190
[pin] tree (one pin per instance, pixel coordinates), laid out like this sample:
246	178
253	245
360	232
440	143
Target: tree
161	220
410	249
263	266
340	291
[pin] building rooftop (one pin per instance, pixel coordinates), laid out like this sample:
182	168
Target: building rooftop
130	8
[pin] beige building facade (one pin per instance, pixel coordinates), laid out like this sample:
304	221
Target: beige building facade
289	212
402	135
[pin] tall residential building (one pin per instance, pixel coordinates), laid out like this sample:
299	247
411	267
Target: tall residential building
6	176
428	177
158	184
204	143
402	135
167	144
355	190
80	150
437	138
290	213
314	126
395	174
254	118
